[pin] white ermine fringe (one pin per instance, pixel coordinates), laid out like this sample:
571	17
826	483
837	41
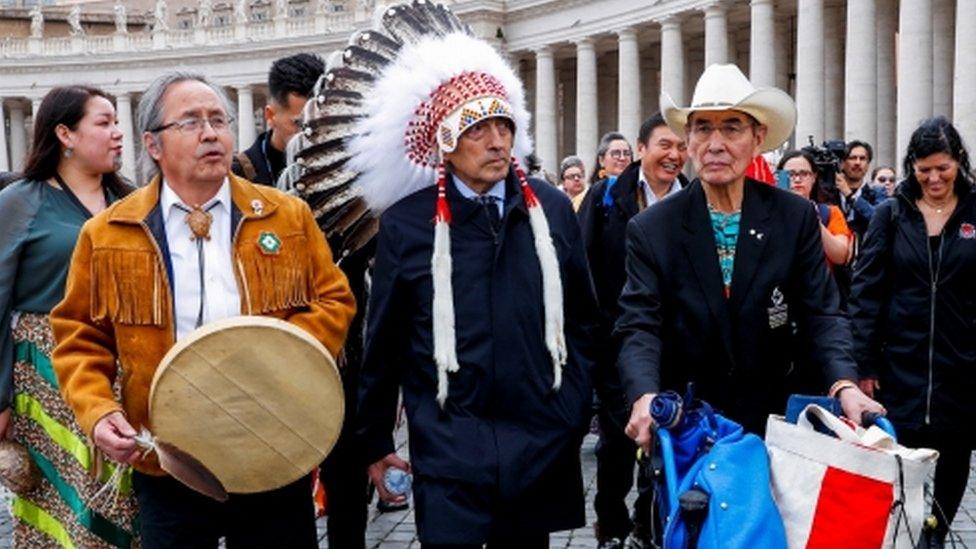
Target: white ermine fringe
445	351
552	292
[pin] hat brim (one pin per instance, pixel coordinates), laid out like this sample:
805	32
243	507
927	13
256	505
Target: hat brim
773	108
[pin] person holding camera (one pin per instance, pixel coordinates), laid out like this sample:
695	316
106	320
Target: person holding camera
804	178
856	199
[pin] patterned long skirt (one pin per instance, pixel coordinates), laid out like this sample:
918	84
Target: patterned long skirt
62	511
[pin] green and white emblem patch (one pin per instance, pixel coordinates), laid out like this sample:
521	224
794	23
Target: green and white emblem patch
269	243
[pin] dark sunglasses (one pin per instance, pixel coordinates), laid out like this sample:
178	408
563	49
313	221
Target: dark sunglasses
886	179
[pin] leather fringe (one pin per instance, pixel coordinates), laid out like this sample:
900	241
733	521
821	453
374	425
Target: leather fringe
279	282
127	286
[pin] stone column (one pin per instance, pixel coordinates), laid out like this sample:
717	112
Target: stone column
245	117
629	85
964	90
18	136
716	34
887	21
833	79
545	110
4	159
762	35
672	60
861	73
809	71
586	101
943	42
915	55
123	109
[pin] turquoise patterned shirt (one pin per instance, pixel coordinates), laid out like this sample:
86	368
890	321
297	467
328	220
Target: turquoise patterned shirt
725	227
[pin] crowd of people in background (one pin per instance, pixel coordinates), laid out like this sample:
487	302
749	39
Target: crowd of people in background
892	274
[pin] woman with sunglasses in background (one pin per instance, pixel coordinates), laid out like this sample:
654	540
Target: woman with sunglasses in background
883	179
70	175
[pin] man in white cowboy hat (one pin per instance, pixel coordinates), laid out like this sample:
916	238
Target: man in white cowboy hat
485	318
724	279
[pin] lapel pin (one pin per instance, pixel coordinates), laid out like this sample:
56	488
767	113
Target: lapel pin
257	206
759	236
752	232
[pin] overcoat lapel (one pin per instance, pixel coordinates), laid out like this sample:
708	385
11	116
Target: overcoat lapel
699	244
624	192
751	245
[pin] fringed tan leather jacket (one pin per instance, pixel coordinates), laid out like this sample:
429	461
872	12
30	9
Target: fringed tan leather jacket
118	303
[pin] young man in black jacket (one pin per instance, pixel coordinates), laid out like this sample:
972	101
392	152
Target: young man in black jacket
290	81
603	217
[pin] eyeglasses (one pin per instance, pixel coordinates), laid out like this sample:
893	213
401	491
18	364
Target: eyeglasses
573	176
886	179
620	154
799	174
193	124
729	130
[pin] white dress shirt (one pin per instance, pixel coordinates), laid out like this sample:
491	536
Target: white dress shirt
649	197
222	295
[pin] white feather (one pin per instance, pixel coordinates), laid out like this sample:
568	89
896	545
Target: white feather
552	292
445	353
378	149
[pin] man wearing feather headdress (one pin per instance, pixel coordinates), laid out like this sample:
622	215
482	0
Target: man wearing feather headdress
481	307
194	246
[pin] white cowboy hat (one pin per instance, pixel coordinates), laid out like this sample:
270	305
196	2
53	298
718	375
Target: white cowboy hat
724	87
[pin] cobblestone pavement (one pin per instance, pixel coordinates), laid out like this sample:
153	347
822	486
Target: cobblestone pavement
396	530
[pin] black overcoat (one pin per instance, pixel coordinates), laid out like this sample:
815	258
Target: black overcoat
503	455
677	325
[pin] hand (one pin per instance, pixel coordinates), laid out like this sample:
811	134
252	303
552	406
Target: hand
114	436
842	185
5	431
378	470
869	385
855	403
639	426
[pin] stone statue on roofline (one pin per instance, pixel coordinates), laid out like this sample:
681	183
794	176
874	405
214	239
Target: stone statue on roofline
240	11
121	20
205	13
160	15
36	22
74	21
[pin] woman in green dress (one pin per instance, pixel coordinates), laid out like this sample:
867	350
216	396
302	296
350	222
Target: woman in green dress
69	175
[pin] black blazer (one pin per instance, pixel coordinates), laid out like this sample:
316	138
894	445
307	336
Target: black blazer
676	326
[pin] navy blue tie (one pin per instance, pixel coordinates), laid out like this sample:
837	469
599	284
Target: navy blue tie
490	205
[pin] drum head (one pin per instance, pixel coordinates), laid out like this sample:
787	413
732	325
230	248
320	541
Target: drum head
256	400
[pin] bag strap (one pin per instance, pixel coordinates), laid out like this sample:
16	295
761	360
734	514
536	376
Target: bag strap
833	423
247	166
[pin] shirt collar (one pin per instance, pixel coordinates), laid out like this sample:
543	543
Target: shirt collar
497	190
168	198
675	187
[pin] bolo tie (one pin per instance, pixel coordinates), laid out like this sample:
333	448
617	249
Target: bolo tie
199	221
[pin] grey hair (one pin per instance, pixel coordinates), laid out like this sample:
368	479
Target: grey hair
608	138
570	162
149	113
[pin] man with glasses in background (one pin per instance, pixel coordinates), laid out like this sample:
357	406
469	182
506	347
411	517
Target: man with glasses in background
290	82
654	176
194	246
